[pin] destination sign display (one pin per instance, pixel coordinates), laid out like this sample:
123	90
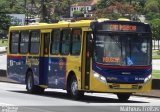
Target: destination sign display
121	27
115	27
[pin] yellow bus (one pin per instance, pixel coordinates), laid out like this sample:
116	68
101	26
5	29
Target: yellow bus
110	56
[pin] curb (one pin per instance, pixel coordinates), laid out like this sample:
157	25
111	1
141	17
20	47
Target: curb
143	95
3	52
156	84
5	79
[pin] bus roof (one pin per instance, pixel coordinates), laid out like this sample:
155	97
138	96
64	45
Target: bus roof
65	24
61	24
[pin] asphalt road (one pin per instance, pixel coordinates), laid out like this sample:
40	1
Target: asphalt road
57	101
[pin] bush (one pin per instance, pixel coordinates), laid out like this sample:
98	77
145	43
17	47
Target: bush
78	14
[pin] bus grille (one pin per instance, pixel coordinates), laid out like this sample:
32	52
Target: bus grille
118	86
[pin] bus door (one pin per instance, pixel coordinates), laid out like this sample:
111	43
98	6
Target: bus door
86	61
45	43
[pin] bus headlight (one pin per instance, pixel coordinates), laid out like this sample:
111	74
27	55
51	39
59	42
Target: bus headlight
103	79
147	78
96	75
99	77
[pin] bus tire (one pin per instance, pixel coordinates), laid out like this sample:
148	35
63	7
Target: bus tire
123	96
73	89
31	88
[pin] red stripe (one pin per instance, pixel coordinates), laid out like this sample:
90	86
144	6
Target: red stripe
126	67
15	57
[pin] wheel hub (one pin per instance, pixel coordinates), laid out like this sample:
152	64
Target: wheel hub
74	87
29	83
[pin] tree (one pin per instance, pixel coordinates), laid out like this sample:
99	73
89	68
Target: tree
104	3
155	25
152	6
4	21
152	9
115	10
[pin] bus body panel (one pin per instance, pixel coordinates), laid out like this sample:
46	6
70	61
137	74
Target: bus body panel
57	72
98	86
123	74
128	83
16	68
74	65
55	69
19	65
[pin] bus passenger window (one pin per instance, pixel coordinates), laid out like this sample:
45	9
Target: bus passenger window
55	44
66	38
76	42
35	42
24	42
14	42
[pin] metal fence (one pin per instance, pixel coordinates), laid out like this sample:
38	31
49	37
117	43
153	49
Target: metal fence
156	44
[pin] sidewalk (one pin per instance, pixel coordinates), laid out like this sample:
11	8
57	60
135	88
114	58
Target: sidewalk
5	79
153	93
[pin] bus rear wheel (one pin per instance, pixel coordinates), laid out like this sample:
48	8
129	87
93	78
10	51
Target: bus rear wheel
31	88
73	89
123	96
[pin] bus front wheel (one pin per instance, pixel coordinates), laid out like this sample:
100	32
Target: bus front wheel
31	88
73	89
123	96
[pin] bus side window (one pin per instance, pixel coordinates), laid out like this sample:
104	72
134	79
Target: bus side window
55	44
24	42
66	39
14	43
35	42
76	42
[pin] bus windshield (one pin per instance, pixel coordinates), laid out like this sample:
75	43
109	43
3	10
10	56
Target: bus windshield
122	49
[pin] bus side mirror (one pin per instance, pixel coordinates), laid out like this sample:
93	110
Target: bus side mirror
94	25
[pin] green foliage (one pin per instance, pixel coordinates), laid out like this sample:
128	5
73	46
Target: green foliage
3	42
78	14
152	6
152	11
152	15
156	54
155	25
11	6
4	21
104	3
156	74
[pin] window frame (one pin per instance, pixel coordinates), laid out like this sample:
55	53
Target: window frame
10	43
62	32
51	44
24	42
71	46
30	42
